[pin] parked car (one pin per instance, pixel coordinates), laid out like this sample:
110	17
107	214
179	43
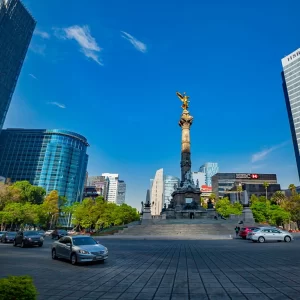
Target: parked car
48	232
79	249
267	234
8	237
1	233
245	230
41	233
28	238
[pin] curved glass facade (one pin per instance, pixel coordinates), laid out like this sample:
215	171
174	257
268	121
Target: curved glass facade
53	159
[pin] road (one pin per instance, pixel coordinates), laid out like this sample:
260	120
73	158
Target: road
139	269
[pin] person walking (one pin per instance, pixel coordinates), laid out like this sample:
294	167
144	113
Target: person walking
237	229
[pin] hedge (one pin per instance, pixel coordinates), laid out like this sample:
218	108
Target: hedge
17	288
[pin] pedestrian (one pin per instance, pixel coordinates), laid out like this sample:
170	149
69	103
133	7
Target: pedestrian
237	229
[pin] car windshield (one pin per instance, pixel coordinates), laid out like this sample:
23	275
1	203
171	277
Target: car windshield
79	241
11	233
29	233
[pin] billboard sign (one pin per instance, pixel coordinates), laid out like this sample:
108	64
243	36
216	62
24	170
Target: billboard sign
206	188
246	176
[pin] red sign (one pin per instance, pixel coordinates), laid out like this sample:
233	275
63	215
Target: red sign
254	176
206	188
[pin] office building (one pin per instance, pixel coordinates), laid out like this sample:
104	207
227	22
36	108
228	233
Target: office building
170	185
249	189
224	182
100	183
157	193
209	169
121	192
16	29
116	191
291	88
199	178
52	159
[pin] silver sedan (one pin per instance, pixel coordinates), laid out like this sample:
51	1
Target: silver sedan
270	235
79	249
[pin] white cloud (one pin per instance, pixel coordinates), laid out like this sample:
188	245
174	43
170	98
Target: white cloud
264	153
60	105
82	35
42	34
138	45
31	75
38	49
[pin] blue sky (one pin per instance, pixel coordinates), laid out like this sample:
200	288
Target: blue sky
109	70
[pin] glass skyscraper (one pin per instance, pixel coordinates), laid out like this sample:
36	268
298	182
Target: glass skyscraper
291	89
52	159
210	169
169	187
16	29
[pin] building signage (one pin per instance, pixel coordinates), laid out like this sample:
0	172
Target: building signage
291	57
246	176
206	188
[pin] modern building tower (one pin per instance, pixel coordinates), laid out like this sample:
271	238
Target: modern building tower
171	183
52	159
16	29
157	193
291	88
113	180
210	169
121	192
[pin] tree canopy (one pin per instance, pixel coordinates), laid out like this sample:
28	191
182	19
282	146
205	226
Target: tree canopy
225	208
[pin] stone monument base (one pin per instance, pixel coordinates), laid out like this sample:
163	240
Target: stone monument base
247	216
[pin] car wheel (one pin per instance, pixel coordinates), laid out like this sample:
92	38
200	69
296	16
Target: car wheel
73	259
54	254
22	245
41	245
15	244
261	239
287	239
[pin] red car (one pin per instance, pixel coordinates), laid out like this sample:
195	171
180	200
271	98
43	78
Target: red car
245	230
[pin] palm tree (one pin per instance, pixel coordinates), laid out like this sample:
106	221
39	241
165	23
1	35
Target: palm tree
292	188
266	185
239	189
278	197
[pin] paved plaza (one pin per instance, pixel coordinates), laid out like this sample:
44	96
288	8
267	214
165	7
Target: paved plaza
158	270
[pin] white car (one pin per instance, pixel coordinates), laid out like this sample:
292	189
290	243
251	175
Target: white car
48	232
267	234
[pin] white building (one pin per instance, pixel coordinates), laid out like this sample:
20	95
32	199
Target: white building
291	89
121	192
170	184
157	193
112	192
199	177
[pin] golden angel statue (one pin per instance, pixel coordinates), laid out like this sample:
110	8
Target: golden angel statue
185	100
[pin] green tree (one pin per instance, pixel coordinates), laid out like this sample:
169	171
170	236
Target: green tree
50	209
278	215
266	185
29	192
278	197
260	210
292	205
225	208
292	188
8	194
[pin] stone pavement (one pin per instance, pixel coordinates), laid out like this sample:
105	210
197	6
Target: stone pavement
188	270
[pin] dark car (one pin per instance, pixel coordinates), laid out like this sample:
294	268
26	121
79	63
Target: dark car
57	234
28	238
8	237
1	233
41	233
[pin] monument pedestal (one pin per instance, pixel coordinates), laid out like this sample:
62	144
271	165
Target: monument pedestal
247	216
147	218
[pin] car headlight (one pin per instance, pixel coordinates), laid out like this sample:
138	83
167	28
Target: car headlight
83	252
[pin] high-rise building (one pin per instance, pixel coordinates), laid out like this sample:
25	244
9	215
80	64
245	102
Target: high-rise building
52	159
210	169
121	192
112	192
100	184
16	29
291	88
157	193
170	184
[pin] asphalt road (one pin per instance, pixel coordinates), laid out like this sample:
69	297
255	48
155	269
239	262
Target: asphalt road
139	269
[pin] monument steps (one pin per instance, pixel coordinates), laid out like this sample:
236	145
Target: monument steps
178	230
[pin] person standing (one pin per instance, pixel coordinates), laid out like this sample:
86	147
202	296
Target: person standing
237	229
